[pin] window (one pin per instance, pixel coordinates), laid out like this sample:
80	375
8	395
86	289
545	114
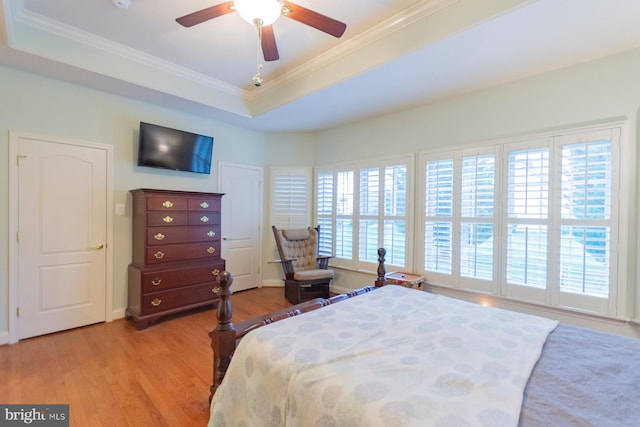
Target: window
344	215
527	218
290	197
477	216
324	212
439	215
459	225
534	219
363	207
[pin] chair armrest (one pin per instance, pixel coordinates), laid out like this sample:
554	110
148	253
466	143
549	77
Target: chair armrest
322	261
287	266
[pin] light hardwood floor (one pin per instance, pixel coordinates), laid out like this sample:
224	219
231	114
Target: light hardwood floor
113	375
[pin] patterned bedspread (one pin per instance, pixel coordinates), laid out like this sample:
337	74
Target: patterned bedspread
393	357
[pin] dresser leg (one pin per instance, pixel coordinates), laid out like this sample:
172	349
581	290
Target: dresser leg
139	322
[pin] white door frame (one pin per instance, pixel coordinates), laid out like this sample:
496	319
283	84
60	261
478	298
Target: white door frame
14	288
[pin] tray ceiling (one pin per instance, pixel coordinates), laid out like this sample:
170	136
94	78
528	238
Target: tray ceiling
393	55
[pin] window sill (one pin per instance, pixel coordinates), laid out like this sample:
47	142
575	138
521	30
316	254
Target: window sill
563	314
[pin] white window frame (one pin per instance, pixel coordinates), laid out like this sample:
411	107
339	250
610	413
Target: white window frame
290	209
515	291
354	263
477	283
614	305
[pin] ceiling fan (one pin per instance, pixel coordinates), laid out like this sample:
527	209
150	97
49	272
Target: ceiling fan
263	13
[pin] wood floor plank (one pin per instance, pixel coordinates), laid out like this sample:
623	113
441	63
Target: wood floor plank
112	374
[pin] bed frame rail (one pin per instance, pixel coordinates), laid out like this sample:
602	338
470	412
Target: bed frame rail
226	336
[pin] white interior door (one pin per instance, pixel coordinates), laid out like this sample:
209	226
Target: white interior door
241	223
62	223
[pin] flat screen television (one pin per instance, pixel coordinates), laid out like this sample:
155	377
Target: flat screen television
165	148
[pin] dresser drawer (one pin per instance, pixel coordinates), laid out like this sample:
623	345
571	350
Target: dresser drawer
167	300
202	218
175	253
156	281
181	252
158	219
167	203
168	235
204	204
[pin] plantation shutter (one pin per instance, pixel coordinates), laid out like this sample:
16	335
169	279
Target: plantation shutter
477	216
324	212
291	197
536	219
586	214
369	210
344	214
527	217
395	214
438	226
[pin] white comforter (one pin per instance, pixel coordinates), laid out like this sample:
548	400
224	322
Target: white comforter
392	357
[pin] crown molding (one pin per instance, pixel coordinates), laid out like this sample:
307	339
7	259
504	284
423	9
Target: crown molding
77	35
404	18
16	13
394	23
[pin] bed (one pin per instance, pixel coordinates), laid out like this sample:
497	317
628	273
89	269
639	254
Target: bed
388	355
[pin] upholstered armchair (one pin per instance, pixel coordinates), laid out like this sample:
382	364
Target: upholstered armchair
306	274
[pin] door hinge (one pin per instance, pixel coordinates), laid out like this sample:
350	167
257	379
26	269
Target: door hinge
17	236
18	159
17	311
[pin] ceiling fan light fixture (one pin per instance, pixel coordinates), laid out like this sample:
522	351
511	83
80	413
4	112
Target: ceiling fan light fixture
266	11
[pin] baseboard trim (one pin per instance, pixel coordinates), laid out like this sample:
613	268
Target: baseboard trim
272	284
4	338
340	289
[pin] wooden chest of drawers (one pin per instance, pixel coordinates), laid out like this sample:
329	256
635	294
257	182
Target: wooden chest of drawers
175	253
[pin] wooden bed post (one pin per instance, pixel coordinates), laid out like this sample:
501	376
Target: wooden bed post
382	271
223	337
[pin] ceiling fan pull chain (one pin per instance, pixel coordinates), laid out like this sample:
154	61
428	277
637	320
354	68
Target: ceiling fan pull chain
257	79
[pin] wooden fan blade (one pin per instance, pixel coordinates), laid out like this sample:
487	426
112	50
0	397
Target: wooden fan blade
269	47
315	19
206	14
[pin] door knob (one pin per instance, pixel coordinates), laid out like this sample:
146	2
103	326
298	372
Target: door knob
98	246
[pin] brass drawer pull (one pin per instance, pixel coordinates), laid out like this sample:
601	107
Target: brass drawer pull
215	272
211	249
216	290
167	204
168	219
159	255
204	205
159	236
204	219
156	302
211	234
156	281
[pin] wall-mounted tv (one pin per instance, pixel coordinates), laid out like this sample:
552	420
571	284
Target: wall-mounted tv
165	148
